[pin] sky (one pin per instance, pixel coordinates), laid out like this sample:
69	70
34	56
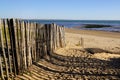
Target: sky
61	9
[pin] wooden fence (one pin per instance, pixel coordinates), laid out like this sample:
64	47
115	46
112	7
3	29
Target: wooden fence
24	42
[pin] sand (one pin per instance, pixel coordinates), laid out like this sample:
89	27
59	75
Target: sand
95	41
97	53
88	55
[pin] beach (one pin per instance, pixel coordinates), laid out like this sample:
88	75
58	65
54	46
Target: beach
94	54
96	41
60	40
88	55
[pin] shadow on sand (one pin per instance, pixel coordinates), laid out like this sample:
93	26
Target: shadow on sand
83	65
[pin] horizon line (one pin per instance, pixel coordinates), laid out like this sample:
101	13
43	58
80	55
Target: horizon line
62	19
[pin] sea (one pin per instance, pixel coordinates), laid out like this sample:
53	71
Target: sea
74	23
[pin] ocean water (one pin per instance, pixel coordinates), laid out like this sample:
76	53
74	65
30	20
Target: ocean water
73	23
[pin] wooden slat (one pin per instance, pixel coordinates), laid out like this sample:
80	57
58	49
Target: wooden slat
38	40
30	43
1	67
41	40
57	30
7	40
12	41
54	36
25	43
23	46
3	48
44	41
60	36
15	26
63	36
37	43
18	42
51	39
31	40
29	60
35	56
48	39
20	46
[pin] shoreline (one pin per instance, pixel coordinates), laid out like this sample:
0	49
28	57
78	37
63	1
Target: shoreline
94	33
